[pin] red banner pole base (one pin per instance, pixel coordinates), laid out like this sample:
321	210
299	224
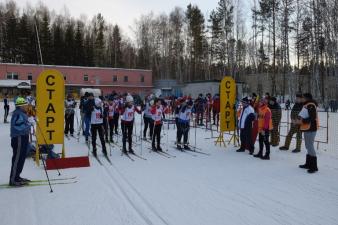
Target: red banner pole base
65	163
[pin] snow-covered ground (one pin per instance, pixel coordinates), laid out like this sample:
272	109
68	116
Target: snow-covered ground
223	188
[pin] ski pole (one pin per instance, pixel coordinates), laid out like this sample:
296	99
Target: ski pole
109	138
141	134
195	136
43	161
168	138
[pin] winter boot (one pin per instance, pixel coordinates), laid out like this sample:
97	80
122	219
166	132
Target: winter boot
179	147
296	150
307	163
23	180
154	148
16	184
313	165
240	150
124	150
283	148
266	156
259	154
131	151
104	151
159	148
94	153
186	147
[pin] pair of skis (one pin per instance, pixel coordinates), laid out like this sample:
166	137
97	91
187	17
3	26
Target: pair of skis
162	153
128	155
34	183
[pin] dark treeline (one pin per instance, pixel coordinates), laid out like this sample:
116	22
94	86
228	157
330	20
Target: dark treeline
278	37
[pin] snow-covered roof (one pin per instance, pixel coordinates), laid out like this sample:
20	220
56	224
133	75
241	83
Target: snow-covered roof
22	84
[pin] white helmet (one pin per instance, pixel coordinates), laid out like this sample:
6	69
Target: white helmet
98	102
129	99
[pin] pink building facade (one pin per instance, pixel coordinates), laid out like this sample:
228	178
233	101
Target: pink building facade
107	79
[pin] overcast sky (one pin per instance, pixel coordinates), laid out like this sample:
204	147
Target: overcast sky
122	12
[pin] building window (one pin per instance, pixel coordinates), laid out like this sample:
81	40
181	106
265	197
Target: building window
114	78
64	77
12	76
85	77
125	79
142	79
30	76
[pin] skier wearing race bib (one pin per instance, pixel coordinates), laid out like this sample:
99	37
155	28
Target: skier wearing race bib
96	121
157	112
127	123
183	124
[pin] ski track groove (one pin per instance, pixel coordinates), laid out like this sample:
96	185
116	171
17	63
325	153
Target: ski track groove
125	194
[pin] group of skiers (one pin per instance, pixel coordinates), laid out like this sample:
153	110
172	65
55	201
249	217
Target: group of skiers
101	116
262	117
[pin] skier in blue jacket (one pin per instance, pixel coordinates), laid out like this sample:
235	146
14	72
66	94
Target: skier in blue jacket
20	128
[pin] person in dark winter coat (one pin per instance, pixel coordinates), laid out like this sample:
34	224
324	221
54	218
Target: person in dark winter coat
147	117
6	108
199	109
216	105
246	118
20	128
81	107
88	107
276	111
295	128
69	114
308	121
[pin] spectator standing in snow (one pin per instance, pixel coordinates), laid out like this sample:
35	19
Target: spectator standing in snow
6	108
264	127
295	128
216	105
308	121
246	118
276	111
20	128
